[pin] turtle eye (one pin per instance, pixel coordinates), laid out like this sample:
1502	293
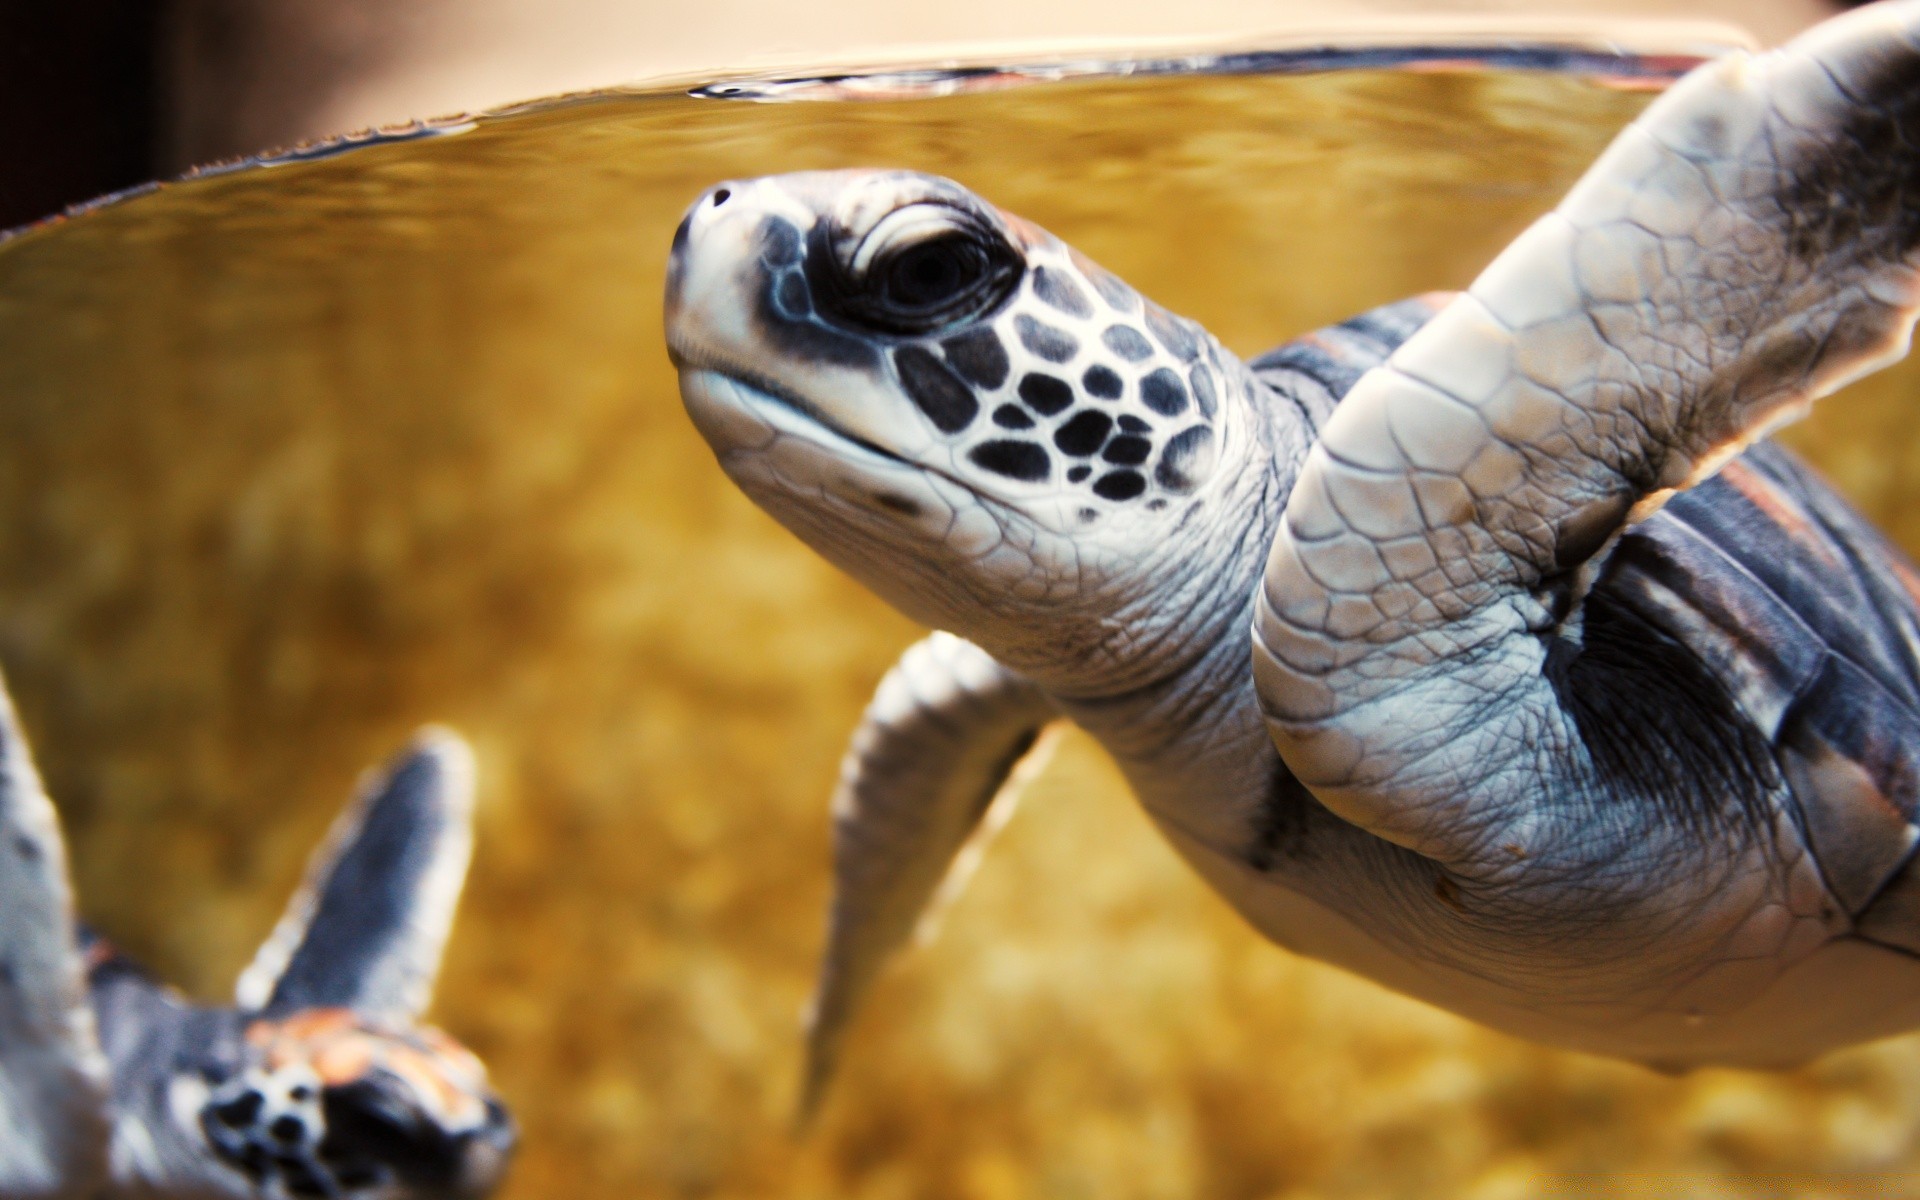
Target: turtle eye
921	268
933	273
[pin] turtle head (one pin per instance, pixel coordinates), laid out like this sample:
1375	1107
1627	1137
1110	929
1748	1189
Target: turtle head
327	1103
946	401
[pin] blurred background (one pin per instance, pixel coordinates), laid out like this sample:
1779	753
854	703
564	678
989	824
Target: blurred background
299	457
101	95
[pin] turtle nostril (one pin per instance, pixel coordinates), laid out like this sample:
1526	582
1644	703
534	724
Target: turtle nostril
722	196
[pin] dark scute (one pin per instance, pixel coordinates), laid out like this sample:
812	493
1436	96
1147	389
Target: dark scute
1186	460
1083	433
1127	451
947	401
979	357
1076	474
1057	291
1203	394
791	295
1046	394
1054	345
288	1128
1008	416
1658	726
1173	333
779	242
1119	485
1132	424
1016	460
1163	392
1102	382
1129	343
241	1110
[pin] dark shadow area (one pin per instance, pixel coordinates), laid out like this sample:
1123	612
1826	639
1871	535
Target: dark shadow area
79	101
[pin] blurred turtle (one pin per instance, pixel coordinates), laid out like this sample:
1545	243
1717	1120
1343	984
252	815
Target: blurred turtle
317	1082
1433	640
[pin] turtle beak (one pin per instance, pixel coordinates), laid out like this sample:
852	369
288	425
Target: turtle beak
696	226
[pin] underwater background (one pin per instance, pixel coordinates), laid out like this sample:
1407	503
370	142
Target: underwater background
298	457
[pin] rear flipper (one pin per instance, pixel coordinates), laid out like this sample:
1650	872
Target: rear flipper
933	771
1747	246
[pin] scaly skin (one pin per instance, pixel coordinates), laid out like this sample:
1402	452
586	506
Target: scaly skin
1560	775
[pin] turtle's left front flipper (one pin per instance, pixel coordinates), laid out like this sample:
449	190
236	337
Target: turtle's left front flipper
54	1108
933	770
1751	243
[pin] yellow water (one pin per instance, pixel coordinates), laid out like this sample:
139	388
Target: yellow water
298	457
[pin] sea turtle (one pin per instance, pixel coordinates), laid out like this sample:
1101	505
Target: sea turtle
318	1082
1432	640
1473	644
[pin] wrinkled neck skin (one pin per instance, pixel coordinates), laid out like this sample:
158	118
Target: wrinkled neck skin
1161	675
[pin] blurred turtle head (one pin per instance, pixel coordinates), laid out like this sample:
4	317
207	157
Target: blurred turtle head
943	399
325	1103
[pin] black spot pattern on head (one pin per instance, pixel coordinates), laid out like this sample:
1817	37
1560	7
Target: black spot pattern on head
1058	291
287	1128
1132	424
1186	460
1016	460
979	357
791	295
779	242
1076	474
1054	345
939	393
1203	394
1129	343
1127	451
1119	485
1172	332
1009	417
1083	433
1119	297
241	1110
1163	392
1046	394
1102	382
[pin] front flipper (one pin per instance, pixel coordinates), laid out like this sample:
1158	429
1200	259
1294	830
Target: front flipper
368	926
1747	246
933	771
54	1115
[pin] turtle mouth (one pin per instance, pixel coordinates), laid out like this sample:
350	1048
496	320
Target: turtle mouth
754	390
782	410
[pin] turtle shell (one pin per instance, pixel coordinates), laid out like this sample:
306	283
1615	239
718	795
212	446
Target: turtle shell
303	450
